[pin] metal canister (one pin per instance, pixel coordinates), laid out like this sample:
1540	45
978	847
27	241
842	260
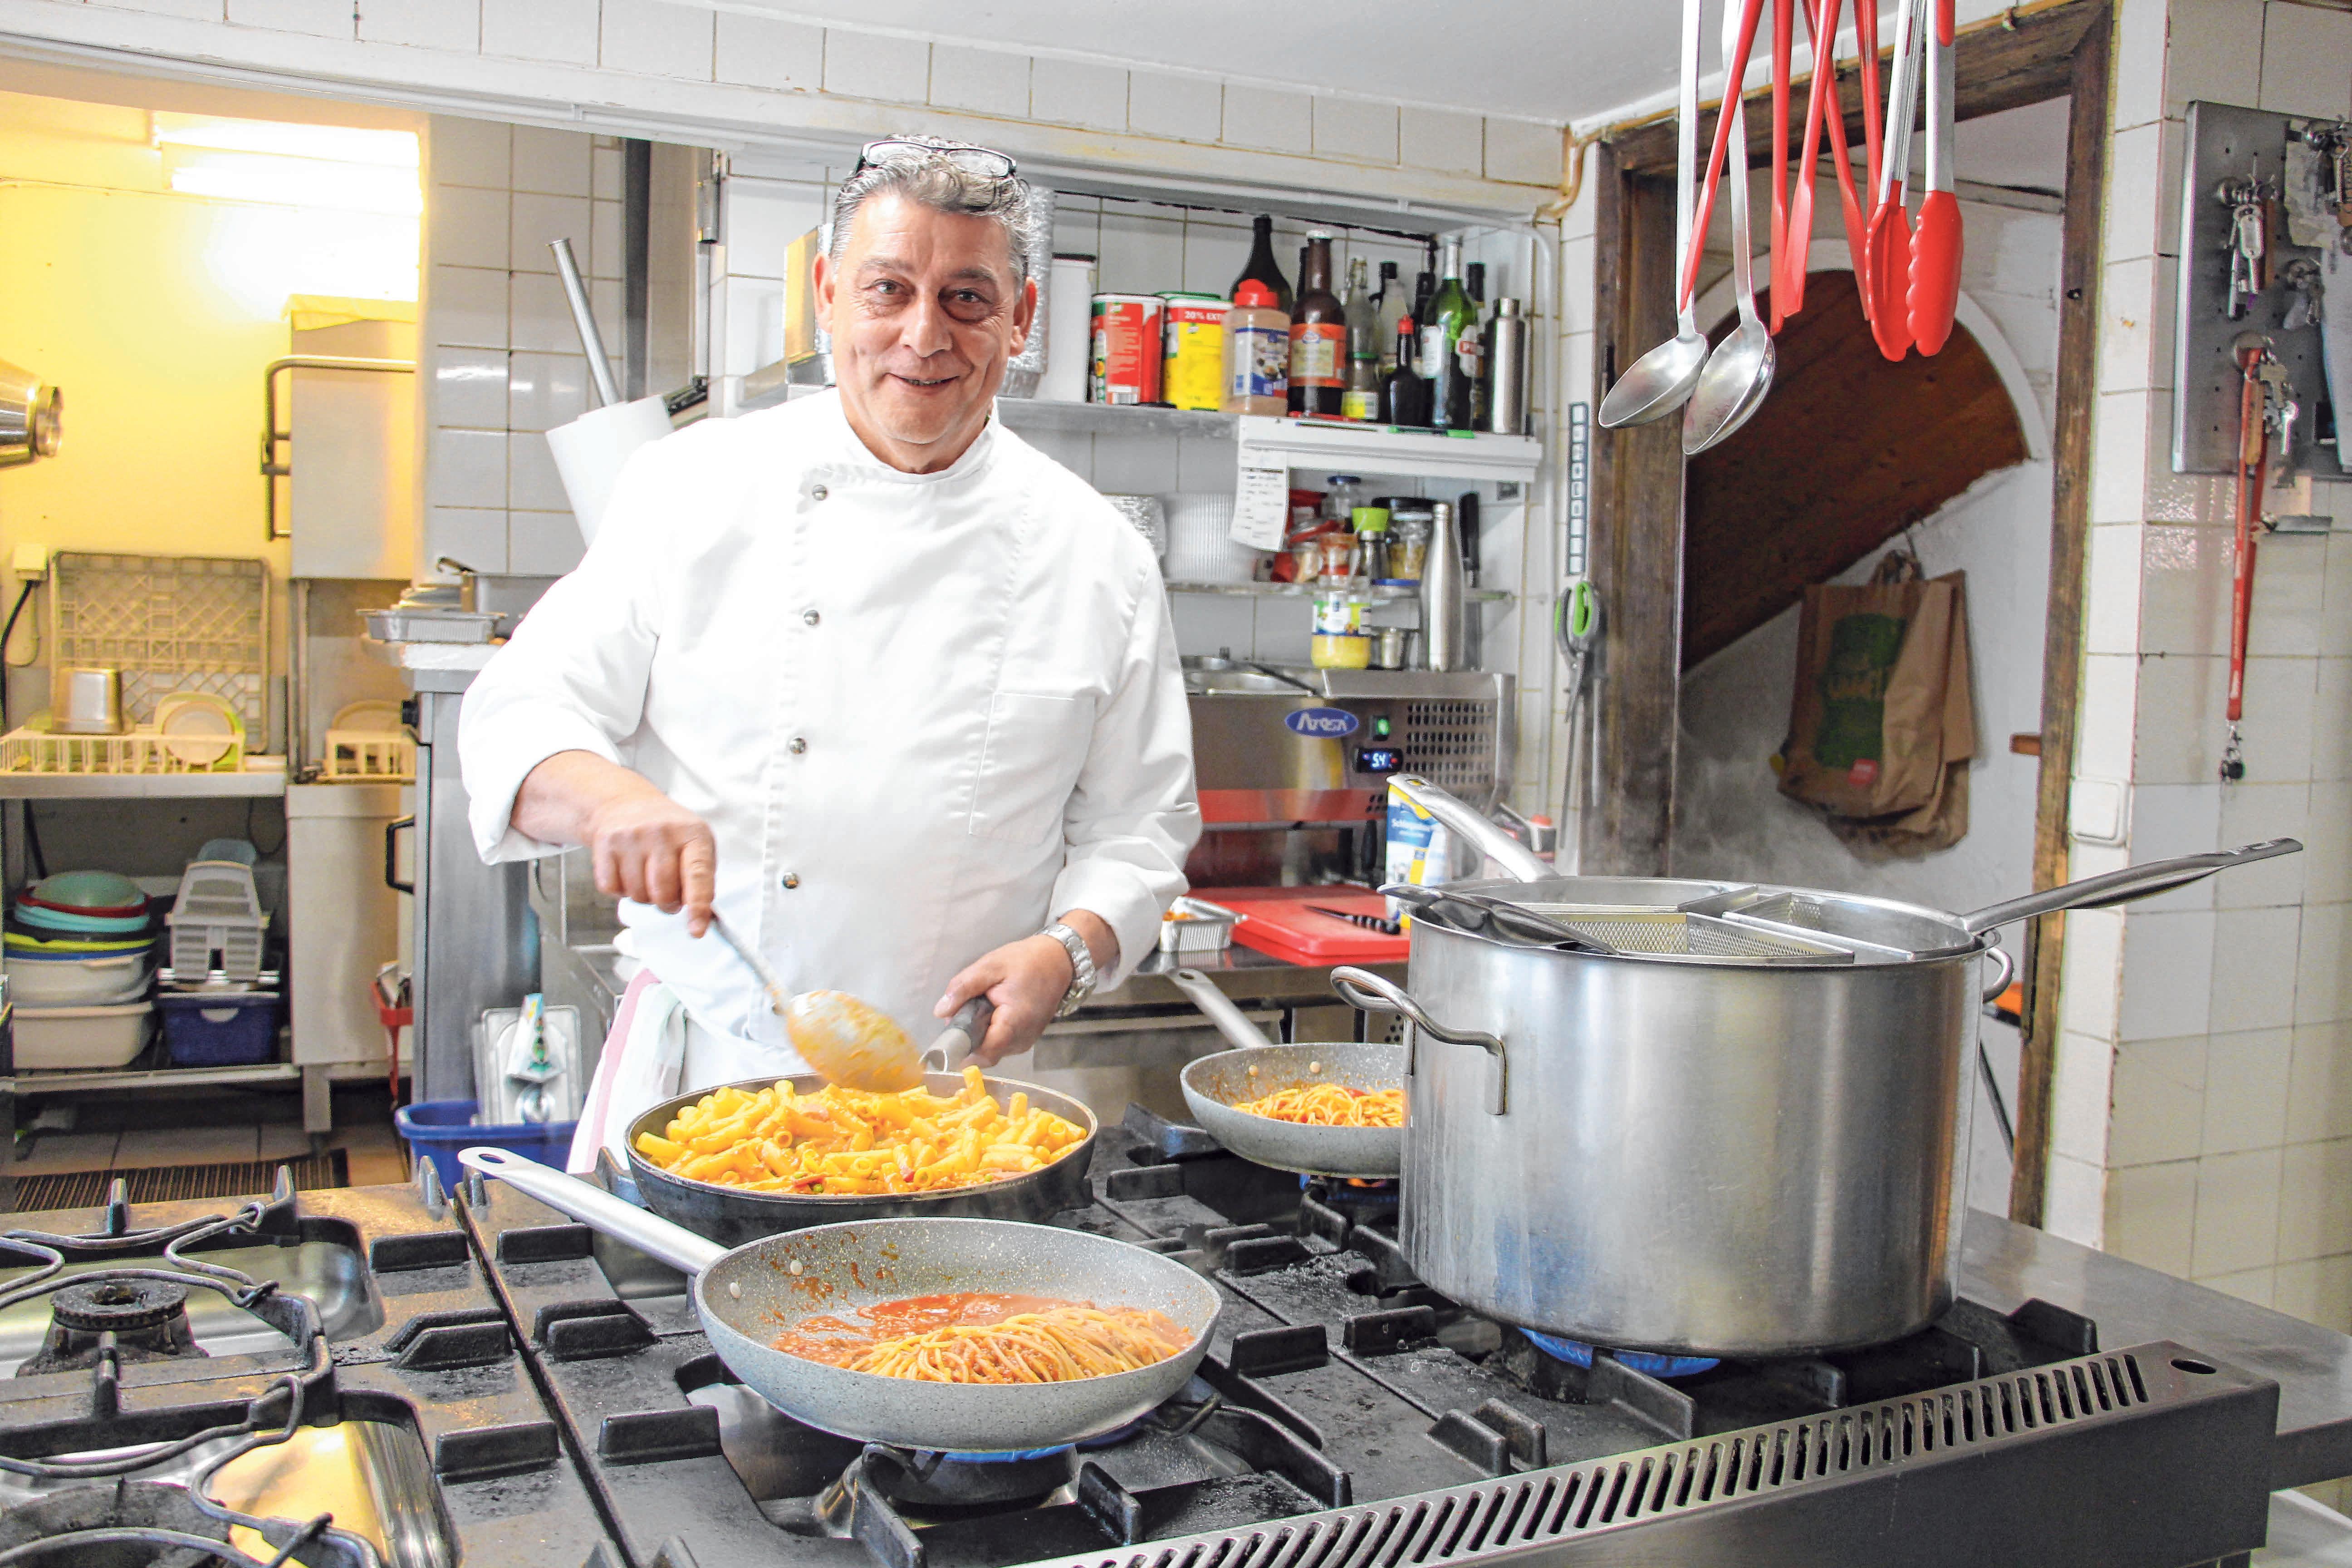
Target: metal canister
1127	348
1507	369
1445	610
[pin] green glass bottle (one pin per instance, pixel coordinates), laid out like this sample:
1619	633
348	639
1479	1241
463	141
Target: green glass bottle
1452	317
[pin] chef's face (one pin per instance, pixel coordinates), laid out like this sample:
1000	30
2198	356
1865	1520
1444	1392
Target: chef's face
925	308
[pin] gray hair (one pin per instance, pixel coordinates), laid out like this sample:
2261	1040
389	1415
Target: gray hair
943	185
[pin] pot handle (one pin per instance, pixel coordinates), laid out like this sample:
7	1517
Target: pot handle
593	1206
1362	989
1229	1020
2122	887
2008	973
1516	859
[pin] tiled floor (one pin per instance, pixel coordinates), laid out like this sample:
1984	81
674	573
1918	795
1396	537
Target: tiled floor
132	1132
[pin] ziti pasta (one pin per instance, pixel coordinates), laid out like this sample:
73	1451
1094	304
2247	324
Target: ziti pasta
851	1141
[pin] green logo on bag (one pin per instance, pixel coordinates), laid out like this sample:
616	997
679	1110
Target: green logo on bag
1862	649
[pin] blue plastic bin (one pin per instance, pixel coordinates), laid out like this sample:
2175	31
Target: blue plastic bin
219	1028
437	1129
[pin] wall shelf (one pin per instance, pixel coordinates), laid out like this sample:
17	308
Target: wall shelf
263	776
1306	590
1106	419
1330	448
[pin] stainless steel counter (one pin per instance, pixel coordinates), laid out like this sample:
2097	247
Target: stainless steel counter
2003	1265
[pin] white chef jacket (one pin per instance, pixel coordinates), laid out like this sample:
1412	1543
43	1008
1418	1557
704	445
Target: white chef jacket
922	713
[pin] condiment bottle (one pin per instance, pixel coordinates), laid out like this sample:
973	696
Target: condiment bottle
1257	352
1262	268
1318	336
1404	396
1361	398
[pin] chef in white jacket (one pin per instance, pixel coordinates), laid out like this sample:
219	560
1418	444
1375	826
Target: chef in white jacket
867	675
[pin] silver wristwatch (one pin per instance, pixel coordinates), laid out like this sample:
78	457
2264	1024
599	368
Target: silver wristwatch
1082	968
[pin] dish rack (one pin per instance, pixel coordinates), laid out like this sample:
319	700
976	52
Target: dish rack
143	751
169	624
218	911
359	755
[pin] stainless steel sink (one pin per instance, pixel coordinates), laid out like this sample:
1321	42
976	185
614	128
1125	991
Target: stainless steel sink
1239	682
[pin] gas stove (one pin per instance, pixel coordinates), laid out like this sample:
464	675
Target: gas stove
1348	1417
323	1378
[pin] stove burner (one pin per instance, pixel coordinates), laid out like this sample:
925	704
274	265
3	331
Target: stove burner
125	1525
1576	1353
135	1319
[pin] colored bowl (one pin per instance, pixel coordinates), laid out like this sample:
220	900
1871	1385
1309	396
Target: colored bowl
89	893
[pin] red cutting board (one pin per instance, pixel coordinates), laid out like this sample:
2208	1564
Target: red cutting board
1283	924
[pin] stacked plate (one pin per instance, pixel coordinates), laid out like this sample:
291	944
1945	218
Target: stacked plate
79	939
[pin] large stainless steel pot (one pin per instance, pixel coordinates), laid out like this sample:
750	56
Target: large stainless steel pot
1692	1116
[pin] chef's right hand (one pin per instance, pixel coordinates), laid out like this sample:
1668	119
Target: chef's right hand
650	848
646	845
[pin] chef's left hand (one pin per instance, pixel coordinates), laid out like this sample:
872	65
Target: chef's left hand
1025	980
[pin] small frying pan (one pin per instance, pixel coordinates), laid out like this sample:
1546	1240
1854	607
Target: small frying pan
747	1296
1214	1085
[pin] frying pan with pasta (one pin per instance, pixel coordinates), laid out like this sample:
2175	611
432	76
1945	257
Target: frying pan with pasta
747	1296
1215	1086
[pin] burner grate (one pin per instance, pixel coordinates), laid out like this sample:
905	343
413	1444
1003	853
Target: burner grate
165	1183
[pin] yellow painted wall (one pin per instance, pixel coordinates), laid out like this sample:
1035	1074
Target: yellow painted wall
154	313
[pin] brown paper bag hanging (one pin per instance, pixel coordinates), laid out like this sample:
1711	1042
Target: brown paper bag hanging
1873	710
1944	821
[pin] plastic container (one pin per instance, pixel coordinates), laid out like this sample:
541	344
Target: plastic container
1194	925
218	911
1257	354
219	1028
53	1038
81	979
437	1129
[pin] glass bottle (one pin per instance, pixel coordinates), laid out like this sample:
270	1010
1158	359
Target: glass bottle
1388	303
1473	349
1318	336
1361	398
1404	396
1261	267
1451	318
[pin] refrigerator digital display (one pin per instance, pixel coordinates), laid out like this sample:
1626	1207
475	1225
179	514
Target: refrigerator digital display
1379	760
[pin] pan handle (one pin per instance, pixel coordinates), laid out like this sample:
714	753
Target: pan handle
2122	887
1362	989
1229	1020
2008	973
593	1206
1459	816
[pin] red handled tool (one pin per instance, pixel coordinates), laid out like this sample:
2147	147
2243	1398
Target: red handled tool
2254	452
1735	76
1784	27
1887	278
1936	245
1821	34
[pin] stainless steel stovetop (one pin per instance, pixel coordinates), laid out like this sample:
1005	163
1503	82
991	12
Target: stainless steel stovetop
386	1376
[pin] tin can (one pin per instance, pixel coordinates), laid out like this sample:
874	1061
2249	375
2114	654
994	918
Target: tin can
1127	347
1193	359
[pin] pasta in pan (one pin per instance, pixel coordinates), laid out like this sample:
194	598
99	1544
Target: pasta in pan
1329	1105
989	1339
850	1140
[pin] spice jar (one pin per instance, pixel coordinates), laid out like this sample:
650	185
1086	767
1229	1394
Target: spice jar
1409	532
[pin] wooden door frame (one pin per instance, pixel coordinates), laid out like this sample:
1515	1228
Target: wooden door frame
2029	55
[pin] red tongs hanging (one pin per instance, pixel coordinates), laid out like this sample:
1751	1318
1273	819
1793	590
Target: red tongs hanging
1821	34
1888	273
1935	291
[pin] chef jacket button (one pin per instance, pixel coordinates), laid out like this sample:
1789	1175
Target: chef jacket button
817	492
811	616
791	879
800	744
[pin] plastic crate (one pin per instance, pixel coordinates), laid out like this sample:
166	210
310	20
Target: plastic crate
437	1129
169	623
217	911
219	1028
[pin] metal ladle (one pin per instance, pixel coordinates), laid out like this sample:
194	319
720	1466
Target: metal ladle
847	1039
1739	372
1662	380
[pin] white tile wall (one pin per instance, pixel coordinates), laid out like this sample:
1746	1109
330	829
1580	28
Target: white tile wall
1523	152
455	24
1186	107
1444	139
1078	92
2304	53
766	51
1355	128
563	31
985	82
656	38
550	163
325	18
1264	117
864	65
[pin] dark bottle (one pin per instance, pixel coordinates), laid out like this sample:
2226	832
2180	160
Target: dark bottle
1472	347
1261	267
1318	336
1451	319
1424	285
1404	396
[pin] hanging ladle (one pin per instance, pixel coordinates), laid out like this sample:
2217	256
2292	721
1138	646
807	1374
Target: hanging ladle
1662	380
1739	372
